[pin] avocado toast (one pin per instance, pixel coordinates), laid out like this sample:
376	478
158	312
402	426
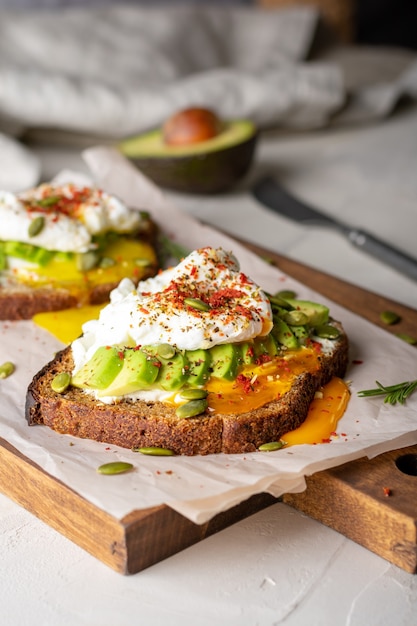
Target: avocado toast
198	360
63	246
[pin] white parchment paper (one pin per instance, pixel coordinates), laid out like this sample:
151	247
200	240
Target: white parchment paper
200	487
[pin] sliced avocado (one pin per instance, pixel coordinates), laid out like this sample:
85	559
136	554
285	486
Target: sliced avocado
100	371
173	372
225	361
209	166
283	334
247	353
318	314
199	362
28	252
139	371
301	332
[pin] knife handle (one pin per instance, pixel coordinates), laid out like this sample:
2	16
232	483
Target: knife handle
384	252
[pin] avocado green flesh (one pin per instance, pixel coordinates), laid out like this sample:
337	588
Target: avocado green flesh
151	144
121	371
209	166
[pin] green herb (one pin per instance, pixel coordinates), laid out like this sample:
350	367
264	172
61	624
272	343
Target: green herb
169	249
393	393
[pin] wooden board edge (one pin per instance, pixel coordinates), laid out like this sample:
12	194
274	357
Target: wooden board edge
371	502
123	544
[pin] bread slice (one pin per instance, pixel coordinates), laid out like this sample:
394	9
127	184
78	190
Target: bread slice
19	301
138	424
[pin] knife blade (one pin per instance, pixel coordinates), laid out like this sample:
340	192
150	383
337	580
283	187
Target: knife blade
269	193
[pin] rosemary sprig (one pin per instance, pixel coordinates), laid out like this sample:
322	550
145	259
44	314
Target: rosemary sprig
393	393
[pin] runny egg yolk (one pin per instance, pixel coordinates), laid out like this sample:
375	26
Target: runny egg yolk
264	383
324	414
129	257
257	385
66	325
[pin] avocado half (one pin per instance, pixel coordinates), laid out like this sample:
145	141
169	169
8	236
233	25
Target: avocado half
210	166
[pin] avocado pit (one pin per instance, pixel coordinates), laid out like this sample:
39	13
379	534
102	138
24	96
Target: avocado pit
194	151
191	126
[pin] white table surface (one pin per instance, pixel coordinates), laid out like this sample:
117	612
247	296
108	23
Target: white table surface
278	566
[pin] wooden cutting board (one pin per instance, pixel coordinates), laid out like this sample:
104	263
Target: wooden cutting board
373	502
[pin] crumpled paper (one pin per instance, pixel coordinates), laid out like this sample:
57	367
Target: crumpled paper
200	487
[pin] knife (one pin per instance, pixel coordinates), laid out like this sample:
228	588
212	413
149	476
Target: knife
269	193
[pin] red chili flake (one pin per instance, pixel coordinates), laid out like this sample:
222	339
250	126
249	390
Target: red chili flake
327	440
194	271
357	362
143	310
169	472
121	354
387	491
263	358
245	382
243	279
223	296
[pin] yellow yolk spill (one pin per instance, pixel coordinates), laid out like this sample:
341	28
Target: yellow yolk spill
259	384
66	325
63	272
325	412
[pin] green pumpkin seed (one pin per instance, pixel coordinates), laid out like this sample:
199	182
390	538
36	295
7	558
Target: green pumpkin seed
154	451
193	393
48	201
407	338
286	293
87	261
6	369
192	408
277	301
295	318
327	332
116	467
142	262
36	226
271	446
106	261
165	351
60	382
389	317
196	303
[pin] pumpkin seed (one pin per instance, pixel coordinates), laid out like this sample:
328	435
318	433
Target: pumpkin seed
271	446
407	338
196	303
165	351
106	261
278	301
154	451
48	201
389	317
295	318
327	331
192	408
142	262
193	394
115	467
61	382
36	226
286	293
87	260
6	369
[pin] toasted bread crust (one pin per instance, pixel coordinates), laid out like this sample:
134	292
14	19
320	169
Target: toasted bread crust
22	302
138	424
